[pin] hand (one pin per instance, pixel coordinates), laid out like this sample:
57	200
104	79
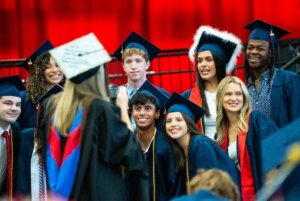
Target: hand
122	98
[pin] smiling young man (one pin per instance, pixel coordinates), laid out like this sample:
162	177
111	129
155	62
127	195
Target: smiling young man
274	92
146	107
10	109
136	54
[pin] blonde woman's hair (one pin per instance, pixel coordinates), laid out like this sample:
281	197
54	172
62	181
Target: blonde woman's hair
215	181
222	120
65	104
131	51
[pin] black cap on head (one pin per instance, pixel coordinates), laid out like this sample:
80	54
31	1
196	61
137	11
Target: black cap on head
134	40
225	45
150	90
178	103
262	30
11	86
46	46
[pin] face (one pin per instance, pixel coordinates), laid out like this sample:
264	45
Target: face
135	67
176	126
10	109
206	66
53	74
145	115
257	53
233	99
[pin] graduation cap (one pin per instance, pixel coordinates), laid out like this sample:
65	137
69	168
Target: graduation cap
46	46
80	58
136	41
223	44
275	147
149	89
178	103
53	90
11	86
262	30
285	184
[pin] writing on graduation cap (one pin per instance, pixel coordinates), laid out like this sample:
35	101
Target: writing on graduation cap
87	53
80	54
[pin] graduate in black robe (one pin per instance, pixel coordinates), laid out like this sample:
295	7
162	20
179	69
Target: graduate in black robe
191	149
146	107
240	133
10	109
44	73
84	141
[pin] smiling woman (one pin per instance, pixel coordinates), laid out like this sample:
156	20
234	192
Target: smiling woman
44	75
240	131
191	150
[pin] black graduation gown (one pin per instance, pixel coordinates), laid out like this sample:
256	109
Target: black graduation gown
15	128
165	175
204	153
260	127
23	153
28	116
106	144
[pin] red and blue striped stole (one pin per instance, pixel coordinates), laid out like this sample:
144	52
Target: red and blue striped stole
62	167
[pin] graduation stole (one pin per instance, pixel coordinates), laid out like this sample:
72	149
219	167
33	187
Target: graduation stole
62	167
9	148
196	98
247	180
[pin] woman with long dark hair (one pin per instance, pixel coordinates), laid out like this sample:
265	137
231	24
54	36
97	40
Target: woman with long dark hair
214	53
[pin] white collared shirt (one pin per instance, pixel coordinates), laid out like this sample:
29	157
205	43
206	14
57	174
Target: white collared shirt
3	157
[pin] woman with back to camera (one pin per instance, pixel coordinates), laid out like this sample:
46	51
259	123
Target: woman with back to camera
84	141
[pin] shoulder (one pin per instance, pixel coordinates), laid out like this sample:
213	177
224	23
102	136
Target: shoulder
100	107
161	138
286	76
199	141
258	117
187	93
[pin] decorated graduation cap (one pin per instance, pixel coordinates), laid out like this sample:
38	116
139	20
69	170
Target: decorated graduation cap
53	90
11	86
46	46
261	30
178	103
81	58
149	89
136	41
225	45
285	184
275	147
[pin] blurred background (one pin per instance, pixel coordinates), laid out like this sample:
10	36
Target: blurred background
169	24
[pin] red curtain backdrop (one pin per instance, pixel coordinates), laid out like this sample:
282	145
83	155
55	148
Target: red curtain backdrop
169	24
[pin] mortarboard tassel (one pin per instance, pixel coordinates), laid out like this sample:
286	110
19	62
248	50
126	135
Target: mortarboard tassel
29	65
